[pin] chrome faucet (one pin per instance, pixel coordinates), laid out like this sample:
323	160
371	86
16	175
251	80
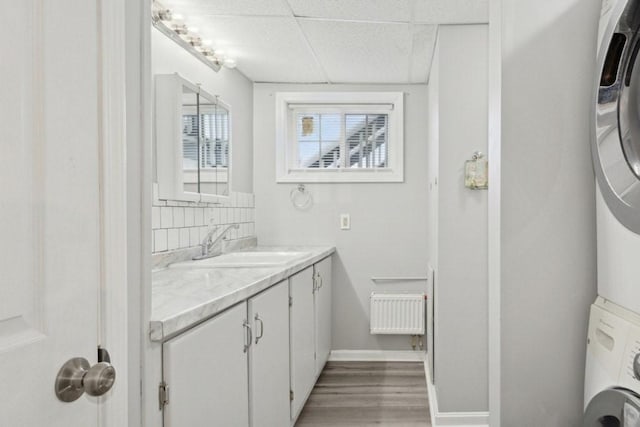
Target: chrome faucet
209	243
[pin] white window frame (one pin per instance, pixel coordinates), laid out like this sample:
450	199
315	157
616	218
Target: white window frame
287	103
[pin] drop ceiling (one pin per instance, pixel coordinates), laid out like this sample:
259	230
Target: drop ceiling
328	41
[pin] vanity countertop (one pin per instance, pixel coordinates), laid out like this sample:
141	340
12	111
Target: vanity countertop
183	297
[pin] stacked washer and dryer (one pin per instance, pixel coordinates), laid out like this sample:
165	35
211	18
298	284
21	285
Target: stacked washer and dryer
612	379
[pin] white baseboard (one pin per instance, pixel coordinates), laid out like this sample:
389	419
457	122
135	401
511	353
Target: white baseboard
451	419
376	356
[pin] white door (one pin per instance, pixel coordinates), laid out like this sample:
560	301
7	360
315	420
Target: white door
206	372
269	357
303	363
51	268
323	312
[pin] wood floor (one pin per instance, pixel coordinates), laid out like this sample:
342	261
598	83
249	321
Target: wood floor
368	394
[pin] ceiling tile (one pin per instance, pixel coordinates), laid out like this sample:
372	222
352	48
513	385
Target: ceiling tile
277	66
359	10
451	11
424	37
191	8
361	52
266	49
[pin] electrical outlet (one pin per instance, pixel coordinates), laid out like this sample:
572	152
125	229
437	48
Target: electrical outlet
345	221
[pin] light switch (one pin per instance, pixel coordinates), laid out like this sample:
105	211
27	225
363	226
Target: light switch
345	221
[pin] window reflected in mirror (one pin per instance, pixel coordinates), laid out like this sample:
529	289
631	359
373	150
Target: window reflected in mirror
214	147
190	144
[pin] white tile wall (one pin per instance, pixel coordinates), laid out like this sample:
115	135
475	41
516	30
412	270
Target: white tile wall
178	225
159	240
173	237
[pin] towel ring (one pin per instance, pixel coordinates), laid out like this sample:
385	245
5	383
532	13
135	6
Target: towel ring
300	197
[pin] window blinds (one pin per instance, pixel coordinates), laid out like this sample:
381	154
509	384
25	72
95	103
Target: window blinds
341	140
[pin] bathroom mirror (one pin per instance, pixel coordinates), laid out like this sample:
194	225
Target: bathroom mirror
193	142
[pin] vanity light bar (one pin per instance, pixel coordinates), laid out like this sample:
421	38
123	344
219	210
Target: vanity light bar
173	26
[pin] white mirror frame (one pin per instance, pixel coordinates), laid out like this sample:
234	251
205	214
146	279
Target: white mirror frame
168	138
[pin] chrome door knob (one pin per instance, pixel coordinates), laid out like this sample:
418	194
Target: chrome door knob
99	379
77	377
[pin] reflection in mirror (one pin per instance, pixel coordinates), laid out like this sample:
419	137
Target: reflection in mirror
214	146
193	142
190	143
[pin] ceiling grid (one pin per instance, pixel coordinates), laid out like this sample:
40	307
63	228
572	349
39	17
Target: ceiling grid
328	41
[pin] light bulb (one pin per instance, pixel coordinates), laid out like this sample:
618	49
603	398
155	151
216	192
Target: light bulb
181	30
230	63
163	14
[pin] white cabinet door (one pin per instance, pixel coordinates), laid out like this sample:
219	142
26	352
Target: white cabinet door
269	357
206	372
323	312
302	338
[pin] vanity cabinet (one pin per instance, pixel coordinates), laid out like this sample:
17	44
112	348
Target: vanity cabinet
206	372
310	292
233	368
269	357
255	363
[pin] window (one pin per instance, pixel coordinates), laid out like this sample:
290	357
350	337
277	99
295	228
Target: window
339	137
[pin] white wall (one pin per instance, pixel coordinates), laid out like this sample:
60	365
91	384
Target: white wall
388	221
458	111
548	213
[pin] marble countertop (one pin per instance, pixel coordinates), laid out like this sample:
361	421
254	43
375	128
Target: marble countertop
183	297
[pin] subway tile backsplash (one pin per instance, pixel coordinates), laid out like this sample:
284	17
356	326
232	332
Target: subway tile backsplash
180	225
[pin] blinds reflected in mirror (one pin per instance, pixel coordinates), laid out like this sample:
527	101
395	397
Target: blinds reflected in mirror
190	141
215	137
214	142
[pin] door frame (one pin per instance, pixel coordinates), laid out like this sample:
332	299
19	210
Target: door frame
123	136
494	209
113	312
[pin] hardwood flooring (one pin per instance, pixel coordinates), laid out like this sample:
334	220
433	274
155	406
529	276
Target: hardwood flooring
368	394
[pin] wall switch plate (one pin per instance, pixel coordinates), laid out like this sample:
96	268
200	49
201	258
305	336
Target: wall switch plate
345	221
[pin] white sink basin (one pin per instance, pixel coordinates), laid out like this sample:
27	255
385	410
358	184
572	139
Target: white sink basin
244	259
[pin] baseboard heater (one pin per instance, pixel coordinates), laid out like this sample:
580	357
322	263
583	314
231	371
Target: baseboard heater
397	314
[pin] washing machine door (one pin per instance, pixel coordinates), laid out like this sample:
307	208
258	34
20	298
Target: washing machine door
616	136
613	408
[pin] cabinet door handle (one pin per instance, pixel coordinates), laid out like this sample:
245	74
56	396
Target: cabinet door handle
249	336
258	319
321	281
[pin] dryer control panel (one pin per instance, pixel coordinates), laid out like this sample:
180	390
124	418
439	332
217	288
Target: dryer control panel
630	369
636	366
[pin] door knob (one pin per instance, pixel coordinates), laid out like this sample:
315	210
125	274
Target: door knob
76	377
